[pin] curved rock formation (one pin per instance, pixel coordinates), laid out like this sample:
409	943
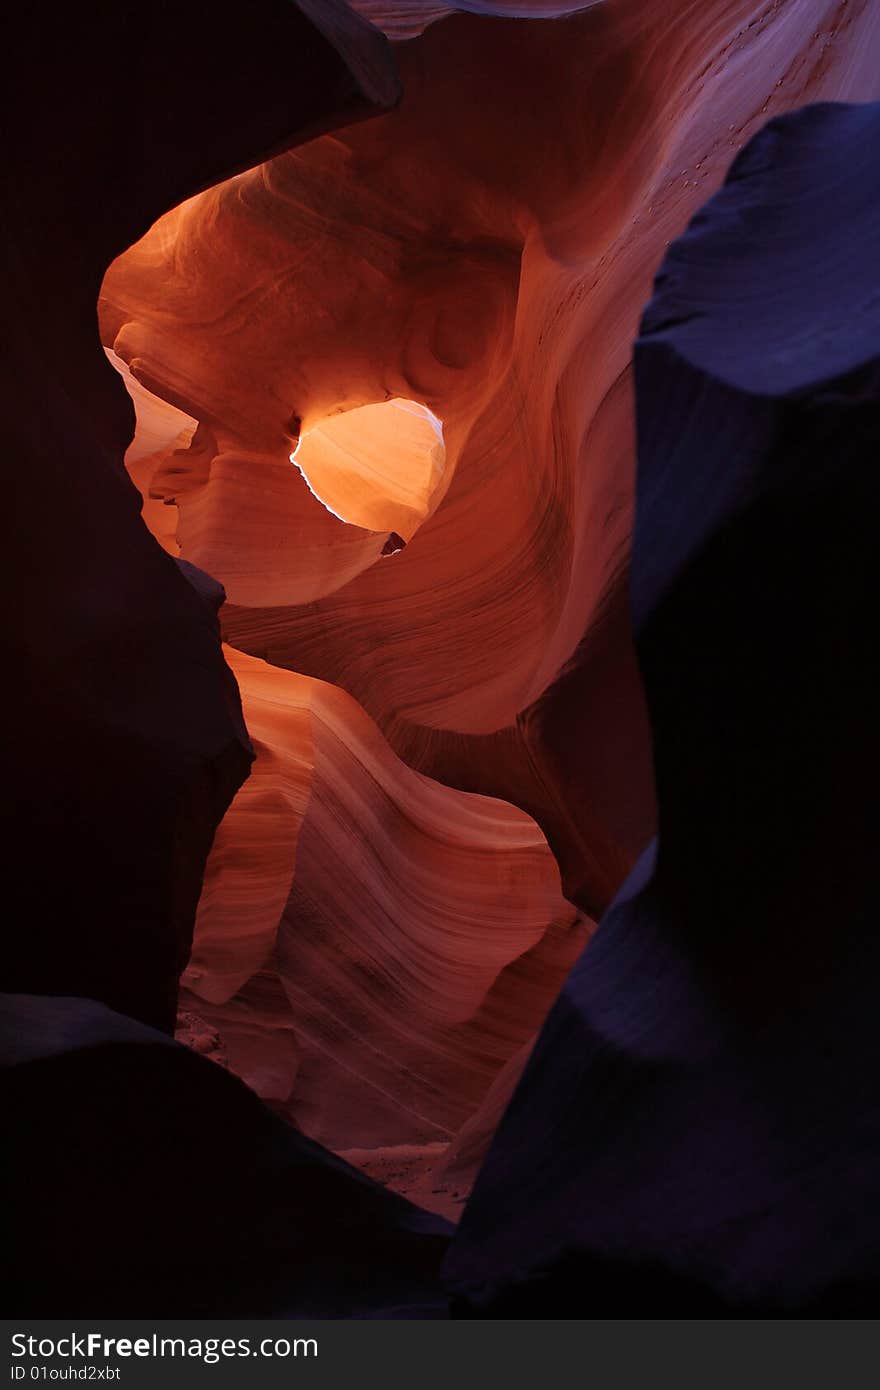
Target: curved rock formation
371	946
484	250
161	431
403	19
384	396
417	257
709	1074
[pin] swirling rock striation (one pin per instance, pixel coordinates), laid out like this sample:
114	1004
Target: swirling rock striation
698	1127
371	946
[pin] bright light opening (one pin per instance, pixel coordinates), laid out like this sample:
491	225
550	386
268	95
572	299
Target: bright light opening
380	467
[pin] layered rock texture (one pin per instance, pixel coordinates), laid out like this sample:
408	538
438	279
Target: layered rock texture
371	946
378	392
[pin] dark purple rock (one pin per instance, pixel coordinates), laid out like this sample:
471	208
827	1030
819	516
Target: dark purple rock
146	1181
698	1130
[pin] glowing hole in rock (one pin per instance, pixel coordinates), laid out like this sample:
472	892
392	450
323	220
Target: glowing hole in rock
381	467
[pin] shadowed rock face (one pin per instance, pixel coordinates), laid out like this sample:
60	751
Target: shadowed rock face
123	738
699	1123
176	1193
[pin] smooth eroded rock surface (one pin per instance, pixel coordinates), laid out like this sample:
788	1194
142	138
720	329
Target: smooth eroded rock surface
371	946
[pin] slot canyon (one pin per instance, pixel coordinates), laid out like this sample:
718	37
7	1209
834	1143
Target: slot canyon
441	751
